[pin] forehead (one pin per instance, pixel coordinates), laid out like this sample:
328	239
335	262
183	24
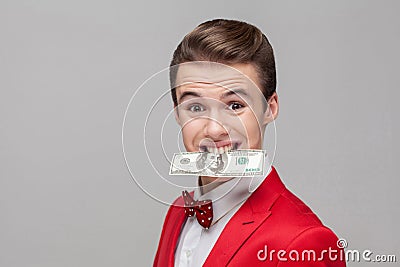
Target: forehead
216	75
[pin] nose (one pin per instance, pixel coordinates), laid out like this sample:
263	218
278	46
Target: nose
214	129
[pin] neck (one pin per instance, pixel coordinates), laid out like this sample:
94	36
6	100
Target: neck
208	183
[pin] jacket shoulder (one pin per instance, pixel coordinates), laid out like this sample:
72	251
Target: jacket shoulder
291	218
291	229
297	217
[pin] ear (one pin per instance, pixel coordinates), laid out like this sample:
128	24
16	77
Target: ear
272	110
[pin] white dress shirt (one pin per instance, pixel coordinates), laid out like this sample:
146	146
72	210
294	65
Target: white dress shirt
195	242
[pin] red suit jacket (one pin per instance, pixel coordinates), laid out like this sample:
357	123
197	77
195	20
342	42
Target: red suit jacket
270	220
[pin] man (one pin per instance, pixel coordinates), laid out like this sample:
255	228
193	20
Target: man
210	162
223	82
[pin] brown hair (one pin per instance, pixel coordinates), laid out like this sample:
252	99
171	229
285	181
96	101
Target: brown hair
228	42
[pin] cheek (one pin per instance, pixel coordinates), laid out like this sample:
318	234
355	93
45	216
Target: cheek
190	132
251	130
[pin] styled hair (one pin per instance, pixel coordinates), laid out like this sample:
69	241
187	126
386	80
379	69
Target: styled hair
227	42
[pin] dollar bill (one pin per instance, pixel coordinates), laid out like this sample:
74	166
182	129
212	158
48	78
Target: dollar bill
236	163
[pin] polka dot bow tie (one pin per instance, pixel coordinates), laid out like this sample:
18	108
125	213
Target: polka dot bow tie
202	208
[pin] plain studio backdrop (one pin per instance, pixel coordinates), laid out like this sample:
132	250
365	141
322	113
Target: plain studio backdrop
69	68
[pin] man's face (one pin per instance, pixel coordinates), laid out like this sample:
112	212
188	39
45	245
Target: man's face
220	107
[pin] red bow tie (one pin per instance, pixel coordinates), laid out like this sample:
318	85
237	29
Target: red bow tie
202	208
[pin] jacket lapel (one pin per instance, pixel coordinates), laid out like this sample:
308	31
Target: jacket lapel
177	221
247	219
170	235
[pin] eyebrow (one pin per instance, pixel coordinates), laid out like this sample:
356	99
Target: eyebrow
235	92
224	95
187	94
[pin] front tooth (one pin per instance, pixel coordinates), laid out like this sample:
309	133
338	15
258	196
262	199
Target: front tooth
221	150
214	150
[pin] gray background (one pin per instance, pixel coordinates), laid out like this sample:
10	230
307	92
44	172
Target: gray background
68	70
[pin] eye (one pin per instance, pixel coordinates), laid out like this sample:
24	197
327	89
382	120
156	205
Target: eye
235	106
196	108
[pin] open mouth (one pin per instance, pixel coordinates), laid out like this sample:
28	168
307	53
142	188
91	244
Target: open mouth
219	147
